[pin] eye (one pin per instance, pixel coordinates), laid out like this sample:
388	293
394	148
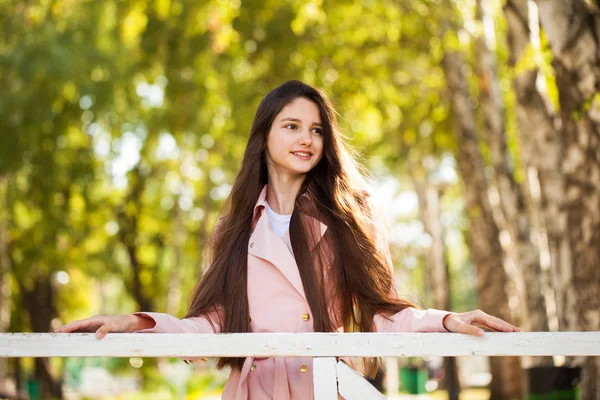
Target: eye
318	131
294	126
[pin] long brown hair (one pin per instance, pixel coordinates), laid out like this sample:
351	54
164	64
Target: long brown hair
357	270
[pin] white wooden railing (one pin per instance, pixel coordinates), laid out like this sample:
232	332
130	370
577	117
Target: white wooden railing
330	377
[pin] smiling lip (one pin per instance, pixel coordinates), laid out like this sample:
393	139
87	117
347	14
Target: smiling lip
305	155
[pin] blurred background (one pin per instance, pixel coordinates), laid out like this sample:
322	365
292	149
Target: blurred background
123	124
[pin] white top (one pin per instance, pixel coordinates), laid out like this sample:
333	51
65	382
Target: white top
279	222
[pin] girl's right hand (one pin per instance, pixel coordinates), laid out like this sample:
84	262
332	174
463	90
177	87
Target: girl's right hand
103	324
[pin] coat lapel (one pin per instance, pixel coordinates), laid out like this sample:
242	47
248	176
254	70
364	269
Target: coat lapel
267	245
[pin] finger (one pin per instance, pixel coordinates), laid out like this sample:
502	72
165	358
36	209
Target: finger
469	329
102	331
497	324
84	325
69	327
492	322
485	328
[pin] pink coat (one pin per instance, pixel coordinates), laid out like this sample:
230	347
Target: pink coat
273	274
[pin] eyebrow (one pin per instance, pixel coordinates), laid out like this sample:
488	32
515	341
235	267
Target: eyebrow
297	120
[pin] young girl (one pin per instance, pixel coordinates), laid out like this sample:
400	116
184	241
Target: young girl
297	249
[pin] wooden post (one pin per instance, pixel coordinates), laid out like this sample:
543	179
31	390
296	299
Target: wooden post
325	378
353	386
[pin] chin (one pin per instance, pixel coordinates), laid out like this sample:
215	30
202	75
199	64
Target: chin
300	171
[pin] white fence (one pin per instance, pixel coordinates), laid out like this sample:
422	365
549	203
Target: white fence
330	377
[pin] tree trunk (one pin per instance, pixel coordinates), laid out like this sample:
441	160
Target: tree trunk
437	268
483	234
5	287
541	155
128	231
430	213
511	214
39	303
573	31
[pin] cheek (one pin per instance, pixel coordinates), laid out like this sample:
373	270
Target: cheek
318	145
279	144
273	142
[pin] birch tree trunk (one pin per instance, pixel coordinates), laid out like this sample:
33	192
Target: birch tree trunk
483	234
430	211
573	31
510	213
541	154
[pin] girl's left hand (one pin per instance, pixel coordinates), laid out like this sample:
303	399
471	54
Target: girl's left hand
465	323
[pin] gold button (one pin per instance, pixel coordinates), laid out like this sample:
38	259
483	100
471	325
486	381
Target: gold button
305	316
253	367
249	319
252	244
303	368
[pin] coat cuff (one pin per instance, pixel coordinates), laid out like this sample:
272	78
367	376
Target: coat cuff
444	319
146	316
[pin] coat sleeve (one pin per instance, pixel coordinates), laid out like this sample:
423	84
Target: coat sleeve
166	323
410	319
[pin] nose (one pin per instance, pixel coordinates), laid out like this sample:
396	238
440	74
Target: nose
306	138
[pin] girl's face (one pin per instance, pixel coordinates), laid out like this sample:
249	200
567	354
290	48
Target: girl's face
295	141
